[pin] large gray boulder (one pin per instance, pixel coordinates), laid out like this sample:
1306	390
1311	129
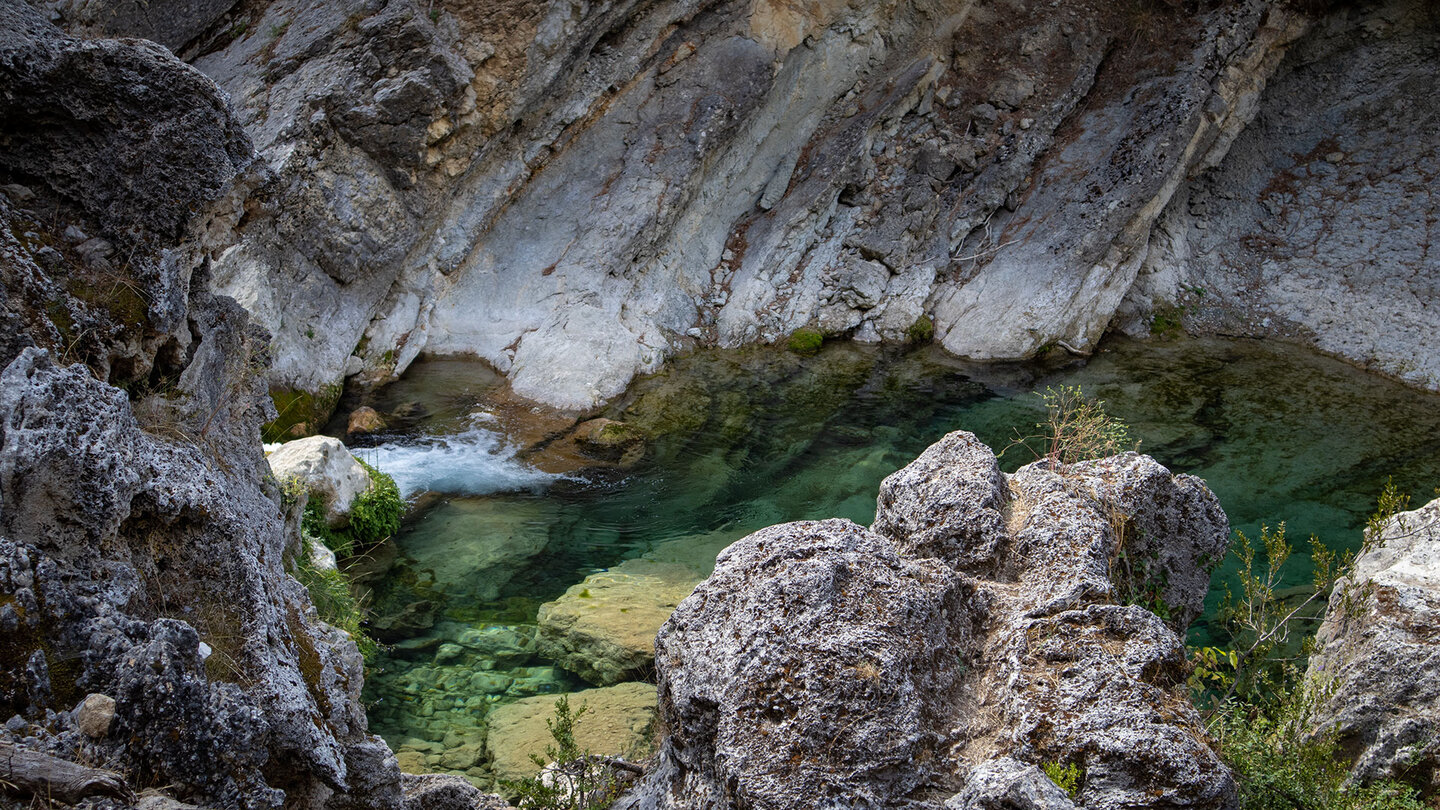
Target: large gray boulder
1377	670
979	629
324	466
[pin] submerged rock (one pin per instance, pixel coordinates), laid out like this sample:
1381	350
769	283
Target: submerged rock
972	632
617	721
1378	665
603	628
363	421
470	547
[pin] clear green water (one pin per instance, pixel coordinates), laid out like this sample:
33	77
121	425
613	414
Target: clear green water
755	437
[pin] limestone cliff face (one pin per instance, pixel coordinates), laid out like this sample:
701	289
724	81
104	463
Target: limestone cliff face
574	191
144	549
1319	224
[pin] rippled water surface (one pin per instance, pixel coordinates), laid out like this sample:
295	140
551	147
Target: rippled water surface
755	437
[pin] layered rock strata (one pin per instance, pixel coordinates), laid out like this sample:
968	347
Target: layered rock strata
144	548
1375	669
575	193
979	627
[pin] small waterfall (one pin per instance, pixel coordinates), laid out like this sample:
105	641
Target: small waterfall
476	461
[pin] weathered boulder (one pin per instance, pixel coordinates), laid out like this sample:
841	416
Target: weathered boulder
1009	784
618	720
972	634
603	628
326	469
95	714
1378	665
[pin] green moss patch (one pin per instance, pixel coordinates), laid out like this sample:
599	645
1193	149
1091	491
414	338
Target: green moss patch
805	341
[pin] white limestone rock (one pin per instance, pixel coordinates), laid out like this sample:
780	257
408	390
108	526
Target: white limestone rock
328	471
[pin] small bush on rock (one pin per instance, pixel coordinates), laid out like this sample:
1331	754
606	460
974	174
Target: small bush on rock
570	778
374	516
1067	777
1279	766
1076	428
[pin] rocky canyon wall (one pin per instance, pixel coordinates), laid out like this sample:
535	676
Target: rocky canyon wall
574	191
147	621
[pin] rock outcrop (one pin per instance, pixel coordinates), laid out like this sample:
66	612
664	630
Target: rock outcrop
1376	667
976	631
1318	223
143	547
324	466
576	193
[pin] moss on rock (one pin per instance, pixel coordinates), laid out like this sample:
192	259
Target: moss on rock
300	413
805	341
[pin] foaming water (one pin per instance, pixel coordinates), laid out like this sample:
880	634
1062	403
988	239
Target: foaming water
476	461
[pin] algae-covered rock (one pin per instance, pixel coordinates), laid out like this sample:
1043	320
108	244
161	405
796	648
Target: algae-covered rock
617	721
604	628
611	440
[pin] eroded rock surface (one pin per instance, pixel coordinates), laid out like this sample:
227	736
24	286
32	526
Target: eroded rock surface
1319	222
976	630
1377	663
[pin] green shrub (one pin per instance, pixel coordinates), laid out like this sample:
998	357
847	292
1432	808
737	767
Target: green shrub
1260	706
1076	428
374	516
805	341
1279	766
1068	777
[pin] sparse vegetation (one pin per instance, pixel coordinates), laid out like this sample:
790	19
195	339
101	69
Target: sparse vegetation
1259	705
1166	322
1068	777
570	778
1076	428
334	601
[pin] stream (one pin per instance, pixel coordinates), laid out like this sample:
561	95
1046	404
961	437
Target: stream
752	437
